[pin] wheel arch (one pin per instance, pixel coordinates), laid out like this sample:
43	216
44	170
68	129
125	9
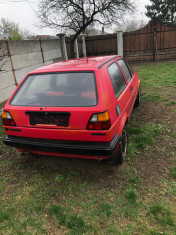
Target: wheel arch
123	123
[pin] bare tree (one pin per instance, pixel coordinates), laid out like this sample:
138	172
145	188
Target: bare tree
3	54
74	16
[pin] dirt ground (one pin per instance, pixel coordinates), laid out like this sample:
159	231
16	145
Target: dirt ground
150	163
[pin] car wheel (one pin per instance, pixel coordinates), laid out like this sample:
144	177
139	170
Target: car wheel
138	99
120	155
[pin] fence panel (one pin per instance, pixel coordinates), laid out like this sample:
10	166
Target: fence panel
101	45
140	45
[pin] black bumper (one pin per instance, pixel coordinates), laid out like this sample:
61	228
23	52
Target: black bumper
70	147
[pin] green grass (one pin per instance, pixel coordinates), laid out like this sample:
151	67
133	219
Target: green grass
174	171
131	195
156	75
161	214
45	195
140	138
158	82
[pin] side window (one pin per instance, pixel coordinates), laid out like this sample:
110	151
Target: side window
117	79
124	67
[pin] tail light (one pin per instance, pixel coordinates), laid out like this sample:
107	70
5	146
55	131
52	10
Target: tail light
7	119
99	121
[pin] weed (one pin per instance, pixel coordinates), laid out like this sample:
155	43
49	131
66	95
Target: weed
106	208
59	212
130	211
20	166
59	178
75	223
133	180
131	195
3	215
174	171
161	214
170	103
174	134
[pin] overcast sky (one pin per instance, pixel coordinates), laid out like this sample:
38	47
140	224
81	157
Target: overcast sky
22	12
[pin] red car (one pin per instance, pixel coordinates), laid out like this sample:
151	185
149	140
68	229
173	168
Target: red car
75	108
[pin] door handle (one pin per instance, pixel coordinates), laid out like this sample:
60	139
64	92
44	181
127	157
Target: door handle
131	88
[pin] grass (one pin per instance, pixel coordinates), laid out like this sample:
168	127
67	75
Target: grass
140	138
161	214
174	171
72	221
131	195
158	82
46	195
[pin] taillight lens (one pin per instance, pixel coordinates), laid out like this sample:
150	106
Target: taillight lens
7	119
99	121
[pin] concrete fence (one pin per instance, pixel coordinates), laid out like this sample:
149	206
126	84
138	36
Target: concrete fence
23	57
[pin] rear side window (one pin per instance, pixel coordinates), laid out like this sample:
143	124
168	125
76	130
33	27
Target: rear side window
125	69
70	89
117	79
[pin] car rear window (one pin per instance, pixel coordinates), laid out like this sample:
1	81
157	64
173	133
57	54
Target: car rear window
70	89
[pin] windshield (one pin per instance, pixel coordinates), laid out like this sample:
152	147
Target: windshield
70	89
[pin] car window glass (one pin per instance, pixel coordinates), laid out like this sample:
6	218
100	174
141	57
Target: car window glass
117	79
125	69
71	89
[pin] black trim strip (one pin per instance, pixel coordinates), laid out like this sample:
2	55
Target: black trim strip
101	65
58	146
46	112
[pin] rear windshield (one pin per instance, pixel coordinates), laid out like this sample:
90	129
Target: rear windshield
71	89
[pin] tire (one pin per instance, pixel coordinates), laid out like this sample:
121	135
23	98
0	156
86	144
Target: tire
138	99
120	155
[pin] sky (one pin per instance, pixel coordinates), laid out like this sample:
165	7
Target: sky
23	13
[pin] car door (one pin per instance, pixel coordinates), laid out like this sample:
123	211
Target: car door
131	83
119	85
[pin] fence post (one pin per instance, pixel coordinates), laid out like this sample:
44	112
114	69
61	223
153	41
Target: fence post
76	51
83	45
11	62
154	40
41	49
61	36
120	43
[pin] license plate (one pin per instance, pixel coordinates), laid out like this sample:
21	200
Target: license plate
49	118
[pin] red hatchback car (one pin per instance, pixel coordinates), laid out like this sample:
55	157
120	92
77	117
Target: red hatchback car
75	108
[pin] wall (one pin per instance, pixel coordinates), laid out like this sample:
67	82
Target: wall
26	55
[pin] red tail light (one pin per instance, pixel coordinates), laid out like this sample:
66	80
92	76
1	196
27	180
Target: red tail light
7	119
100	121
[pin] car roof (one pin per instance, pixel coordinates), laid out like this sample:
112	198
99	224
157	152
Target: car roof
86	63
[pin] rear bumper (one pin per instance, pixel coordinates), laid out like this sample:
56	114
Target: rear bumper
69	147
